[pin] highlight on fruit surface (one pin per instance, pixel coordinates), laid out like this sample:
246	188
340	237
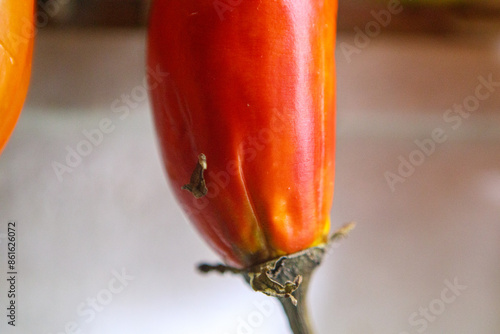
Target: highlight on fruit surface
17	33
246	126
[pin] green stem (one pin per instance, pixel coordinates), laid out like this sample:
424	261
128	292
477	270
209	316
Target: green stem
298	316
284	272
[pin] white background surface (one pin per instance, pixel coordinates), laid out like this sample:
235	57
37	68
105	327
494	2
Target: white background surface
114	212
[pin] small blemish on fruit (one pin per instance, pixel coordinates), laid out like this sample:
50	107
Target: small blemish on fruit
196	184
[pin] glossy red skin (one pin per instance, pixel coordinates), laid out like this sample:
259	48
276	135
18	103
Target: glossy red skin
16	49
254	92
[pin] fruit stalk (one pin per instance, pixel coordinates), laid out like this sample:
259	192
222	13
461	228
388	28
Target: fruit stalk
292	272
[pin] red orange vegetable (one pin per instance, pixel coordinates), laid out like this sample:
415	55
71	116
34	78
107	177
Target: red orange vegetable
251	86
16	48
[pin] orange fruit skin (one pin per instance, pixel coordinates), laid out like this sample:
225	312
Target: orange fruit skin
17	33
252	86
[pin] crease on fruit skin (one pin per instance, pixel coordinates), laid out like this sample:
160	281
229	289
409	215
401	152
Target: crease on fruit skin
261	235
184	111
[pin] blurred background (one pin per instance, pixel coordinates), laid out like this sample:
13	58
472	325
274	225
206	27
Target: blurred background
103	248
